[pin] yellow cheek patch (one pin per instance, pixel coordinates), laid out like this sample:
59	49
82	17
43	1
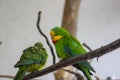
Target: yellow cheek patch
52	33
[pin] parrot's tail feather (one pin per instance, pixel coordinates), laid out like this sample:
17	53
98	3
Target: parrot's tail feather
20	74
86	72
90	72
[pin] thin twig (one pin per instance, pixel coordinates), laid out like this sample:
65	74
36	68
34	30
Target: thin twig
40	31
87	47
10	77
6	76
0	42
97	78
89	55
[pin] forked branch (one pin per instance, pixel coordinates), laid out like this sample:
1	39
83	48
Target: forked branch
89	55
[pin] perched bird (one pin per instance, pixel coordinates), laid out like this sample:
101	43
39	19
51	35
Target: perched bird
68	46
32	59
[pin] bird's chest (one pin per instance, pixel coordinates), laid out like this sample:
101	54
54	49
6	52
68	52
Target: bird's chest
61	53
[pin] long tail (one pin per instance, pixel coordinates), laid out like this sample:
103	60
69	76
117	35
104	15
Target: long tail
84	70
20	74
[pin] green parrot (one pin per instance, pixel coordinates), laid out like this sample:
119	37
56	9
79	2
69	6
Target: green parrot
68	46
32	59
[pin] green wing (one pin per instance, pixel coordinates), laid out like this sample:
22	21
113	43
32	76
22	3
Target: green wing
73	48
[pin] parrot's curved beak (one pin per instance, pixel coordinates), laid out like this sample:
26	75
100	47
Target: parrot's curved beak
54	37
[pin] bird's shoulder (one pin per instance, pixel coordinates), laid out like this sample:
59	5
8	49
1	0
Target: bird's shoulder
32	55
75	46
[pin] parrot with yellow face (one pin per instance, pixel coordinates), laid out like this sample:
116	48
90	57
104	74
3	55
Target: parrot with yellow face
32	59
68	46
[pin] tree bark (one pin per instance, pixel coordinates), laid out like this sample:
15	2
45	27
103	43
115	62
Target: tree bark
70	16
69	22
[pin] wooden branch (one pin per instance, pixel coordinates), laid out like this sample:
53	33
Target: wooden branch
47	41
0	42
6	76
63	75
10	77
86	46
70	16
95	53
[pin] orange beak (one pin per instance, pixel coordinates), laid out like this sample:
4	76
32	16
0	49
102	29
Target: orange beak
55	38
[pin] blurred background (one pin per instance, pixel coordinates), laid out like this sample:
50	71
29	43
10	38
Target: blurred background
98	25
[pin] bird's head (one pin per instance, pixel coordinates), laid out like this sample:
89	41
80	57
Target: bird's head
39	44
58	33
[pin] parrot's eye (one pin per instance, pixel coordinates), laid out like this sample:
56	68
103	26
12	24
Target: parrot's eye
56	34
